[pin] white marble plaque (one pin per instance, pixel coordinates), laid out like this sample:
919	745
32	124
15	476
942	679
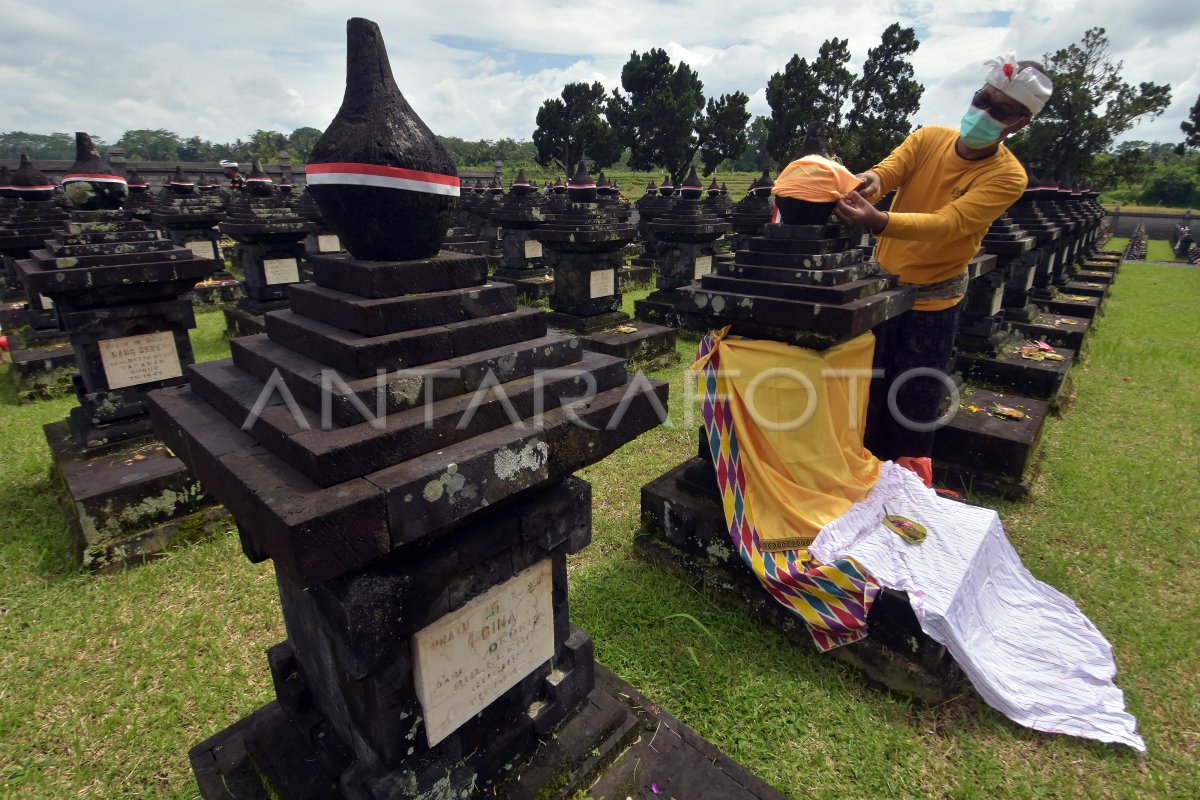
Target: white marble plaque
145	358
703	266
470	657
201	248
329	243
533	248
47	303
281	270
603	283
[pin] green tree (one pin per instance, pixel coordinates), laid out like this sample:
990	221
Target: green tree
1191	126
1089	108
722	130
151	145
570	128
754	155
40	145
882	99
661	117
265	145
1171	186
300	143
793	96
196	149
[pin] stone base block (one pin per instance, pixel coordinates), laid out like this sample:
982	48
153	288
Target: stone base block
649	347
239	322
580	324
41	373
130	503
985	452
612	748
1096	276
532	285
658	308
1059	331
683	531
1041	379
1071	306
635	275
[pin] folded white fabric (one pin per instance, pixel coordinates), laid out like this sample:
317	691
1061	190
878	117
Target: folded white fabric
1027	648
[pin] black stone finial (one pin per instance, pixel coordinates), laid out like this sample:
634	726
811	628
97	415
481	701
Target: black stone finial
762	185
392	193
582	189
30	183
713	190
651	189
691	188
521	185
666	188
179	182
90	182
259	183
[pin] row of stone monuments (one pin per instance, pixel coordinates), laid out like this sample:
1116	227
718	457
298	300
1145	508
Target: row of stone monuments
399	439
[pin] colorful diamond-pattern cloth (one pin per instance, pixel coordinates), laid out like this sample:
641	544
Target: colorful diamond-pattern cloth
832	599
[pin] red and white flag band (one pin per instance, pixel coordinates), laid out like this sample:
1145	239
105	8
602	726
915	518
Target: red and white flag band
84	176
43	188
383	177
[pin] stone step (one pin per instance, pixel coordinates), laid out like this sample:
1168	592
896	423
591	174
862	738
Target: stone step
765	244
328	454
1058	330
380	316
813	261
1086	288
832	295
316	533
61	250
838	321
101	237
1071	305
448	270
260	357
996	451
363	356
1096	276
852	270
1010	372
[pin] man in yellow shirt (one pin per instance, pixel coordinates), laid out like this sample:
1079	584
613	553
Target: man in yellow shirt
950	186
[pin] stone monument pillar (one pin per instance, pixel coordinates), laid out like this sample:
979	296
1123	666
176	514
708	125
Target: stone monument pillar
750	214
585	247
270	250
419	538
808	285
121	294
522	263
687	232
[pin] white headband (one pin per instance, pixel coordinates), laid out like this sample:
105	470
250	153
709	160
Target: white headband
1027	86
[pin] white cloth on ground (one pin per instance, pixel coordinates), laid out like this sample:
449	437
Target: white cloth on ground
1027	648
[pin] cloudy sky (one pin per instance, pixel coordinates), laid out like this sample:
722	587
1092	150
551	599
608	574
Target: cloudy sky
477	69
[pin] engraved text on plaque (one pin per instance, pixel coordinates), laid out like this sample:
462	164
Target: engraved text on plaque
468	658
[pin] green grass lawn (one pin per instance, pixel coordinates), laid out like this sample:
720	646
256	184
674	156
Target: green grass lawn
105	682
1156	249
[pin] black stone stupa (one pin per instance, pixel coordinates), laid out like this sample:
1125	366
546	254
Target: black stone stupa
419	536
121	294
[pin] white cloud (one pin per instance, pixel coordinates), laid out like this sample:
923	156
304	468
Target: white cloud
480	69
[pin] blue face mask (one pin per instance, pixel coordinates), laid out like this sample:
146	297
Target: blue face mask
980	129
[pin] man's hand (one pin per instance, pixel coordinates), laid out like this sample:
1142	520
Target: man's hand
870	186
853	209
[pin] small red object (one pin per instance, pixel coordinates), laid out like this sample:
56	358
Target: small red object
1008	70
4	343
921	465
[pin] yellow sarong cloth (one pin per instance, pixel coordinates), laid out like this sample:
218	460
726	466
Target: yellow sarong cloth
799	416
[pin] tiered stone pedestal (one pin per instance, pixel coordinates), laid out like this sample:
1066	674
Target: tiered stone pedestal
686	233
684	533
442	524
584	246
121	295
270	252
43	361
522	261
804	285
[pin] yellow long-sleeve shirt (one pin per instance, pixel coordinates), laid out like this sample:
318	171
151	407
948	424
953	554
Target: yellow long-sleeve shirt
943	207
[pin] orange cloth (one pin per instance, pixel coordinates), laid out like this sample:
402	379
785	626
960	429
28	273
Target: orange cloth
815	179
802	449
943	208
